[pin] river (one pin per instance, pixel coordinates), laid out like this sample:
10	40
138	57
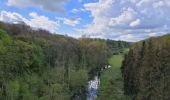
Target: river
93	86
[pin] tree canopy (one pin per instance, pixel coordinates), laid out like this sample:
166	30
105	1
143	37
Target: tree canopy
38	65
146	69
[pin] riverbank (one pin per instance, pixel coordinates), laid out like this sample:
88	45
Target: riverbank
111	82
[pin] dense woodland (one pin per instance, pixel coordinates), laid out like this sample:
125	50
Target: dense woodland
146	69
38	65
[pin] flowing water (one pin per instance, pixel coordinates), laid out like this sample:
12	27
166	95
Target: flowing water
93	86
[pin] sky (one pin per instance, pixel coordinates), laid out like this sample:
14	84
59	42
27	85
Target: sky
128	20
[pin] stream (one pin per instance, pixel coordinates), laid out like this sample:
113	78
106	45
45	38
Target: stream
93	86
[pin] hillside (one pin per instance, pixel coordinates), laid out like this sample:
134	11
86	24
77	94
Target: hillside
146	69
84	50
38	65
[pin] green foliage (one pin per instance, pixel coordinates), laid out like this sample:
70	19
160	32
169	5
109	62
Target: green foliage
111	86
146	69
38	65
117	47
78	79
13	90
4	41
4	37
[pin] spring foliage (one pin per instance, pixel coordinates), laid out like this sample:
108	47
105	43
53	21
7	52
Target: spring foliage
38	65
146	69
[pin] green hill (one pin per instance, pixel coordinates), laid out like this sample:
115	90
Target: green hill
38	65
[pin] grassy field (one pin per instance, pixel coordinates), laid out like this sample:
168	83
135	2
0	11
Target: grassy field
111	86
126	50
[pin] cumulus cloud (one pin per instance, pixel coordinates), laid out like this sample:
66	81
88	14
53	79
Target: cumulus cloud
152	34
158	4
72	21
135	23
125	17
43	22
11	17
128	37
78	10
128	18
36	21
74	10
69	21
52	5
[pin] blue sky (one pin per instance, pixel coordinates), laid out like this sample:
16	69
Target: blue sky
129	20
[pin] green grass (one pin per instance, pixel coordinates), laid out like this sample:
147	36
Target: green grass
111	86
116	61
126	50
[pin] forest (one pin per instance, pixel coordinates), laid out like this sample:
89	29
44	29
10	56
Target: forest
84	49
146	69
38	65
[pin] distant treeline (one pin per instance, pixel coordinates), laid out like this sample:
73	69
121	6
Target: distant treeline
117	47
38	65
146	69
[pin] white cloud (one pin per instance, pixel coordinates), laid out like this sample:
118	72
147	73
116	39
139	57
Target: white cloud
36	21
132	37
52	5
152	34
130	17
69	21
74	10
11	17
78	10
142	2
43	22
135	23
127	37
158	4
124	18
100	11
72	21
110	18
